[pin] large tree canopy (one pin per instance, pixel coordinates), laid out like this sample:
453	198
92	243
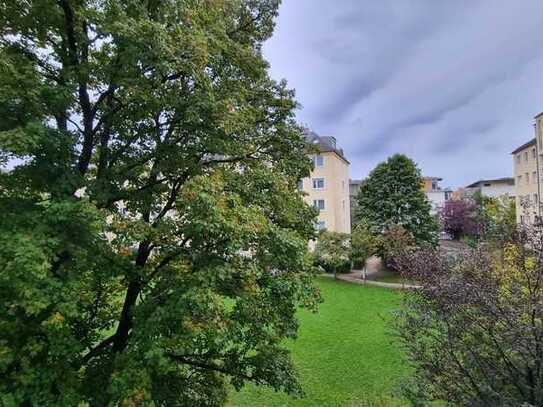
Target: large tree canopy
153	247
392	195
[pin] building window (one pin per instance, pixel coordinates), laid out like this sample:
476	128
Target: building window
527	178
518	158
526	156
534	177
535	198
320	225
319	204
318	160
318	183
533	153
301	184
519	179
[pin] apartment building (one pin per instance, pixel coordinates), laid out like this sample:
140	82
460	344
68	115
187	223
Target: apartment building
492	188
436	195
527	182
327	188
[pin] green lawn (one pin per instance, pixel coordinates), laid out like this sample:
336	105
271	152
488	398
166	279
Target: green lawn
345	353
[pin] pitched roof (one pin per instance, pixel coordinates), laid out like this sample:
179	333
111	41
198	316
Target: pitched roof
525	145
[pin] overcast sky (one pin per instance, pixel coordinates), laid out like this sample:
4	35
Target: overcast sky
453	84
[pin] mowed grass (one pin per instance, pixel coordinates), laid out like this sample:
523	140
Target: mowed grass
345	354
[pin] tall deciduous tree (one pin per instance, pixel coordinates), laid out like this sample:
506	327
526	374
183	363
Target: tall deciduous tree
153	247
461	218
392	195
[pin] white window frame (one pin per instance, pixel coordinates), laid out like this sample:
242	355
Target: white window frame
320	225
316	204
318	160
317	181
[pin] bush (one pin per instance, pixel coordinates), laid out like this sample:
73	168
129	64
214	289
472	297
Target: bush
473	333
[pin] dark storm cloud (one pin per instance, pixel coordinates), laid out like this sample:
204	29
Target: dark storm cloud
446	82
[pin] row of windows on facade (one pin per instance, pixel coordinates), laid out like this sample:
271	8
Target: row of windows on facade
525	200
527	178
318	183
526	156
319	204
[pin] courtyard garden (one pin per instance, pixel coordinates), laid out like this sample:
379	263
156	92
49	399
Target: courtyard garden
345	353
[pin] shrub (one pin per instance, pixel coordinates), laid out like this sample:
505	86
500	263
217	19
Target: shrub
474	331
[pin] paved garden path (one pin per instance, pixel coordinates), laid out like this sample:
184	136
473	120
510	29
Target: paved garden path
355	277
374	270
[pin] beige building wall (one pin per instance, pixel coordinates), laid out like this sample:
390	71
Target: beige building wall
538	127
334	171
526	174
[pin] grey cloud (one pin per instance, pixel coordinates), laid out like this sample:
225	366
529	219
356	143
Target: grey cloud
435	79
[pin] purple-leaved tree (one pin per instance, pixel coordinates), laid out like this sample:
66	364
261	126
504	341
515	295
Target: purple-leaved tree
474	331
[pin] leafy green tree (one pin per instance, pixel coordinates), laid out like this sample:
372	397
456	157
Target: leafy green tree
364	244
498	217
153	248
392	195
333	251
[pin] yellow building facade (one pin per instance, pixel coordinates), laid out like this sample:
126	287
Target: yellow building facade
327	188
527	181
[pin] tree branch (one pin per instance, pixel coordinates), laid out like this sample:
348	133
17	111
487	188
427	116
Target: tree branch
207	366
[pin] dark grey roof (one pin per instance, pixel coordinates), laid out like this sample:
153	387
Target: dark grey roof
506	180
522	147
324	143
